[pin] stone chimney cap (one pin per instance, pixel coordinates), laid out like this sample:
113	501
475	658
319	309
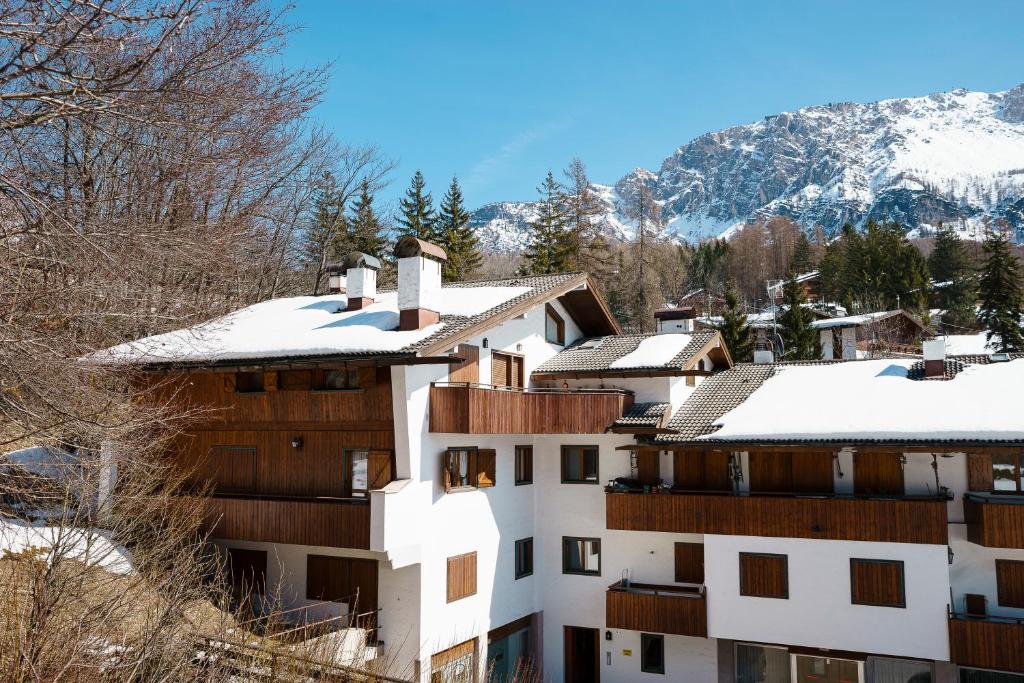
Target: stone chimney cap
413	246
358	259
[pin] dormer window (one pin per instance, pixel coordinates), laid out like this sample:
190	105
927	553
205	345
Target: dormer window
554	326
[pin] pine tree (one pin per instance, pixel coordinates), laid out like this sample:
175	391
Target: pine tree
586	248
803	257
736	333
950	267
417	207
457	238
801	341
549	248
1002	298
365	233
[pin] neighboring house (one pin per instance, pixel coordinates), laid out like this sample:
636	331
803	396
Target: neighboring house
871	335
810	284
500	475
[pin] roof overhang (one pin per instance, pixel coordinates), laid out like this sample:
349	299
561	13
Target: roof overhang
291	363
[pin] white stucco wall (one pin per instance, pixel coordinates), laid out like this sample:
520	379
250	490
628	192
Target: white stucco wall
974	571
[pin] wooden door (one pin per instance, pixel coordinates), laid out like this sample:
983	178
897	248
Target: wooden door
878	473
465	365
813	472
701	471
771	471
248	571
648	467
582	655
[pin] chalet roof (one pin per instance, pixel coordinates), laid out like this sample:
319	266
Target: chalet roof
642	415
852	402
629	354
864	319
309	328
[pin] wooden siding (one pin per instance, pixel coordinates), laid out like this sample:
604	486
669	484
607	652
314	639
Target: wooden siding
979	472
342	579
461	409
877	582
701	471
995	524
461	576
464	649
791	471
847	519
1010	583
689	561
465	366
335	524
987	643
877	472
764	575
656	609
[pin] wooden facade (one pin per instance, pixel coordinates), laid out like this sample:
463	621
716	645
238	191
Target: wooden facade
334	524
474	409
895	520
877	582
995	521
989	643
656	609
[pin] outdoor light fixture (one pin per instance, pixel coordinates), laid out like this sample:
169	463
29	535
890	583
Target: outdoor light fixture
485	342
607	635
297	442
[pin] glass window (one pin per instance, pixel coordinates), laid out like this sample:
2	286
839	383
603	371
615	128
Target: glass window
1006	472
652	653
338	379
524	465
579	465
524	557
885	670
461	466
756	664
581	555
357	473
554	327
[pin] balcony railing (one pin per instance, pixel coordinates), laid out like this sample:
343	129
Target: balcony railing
679	610
486	409
906	519
987	642
995	520
331	522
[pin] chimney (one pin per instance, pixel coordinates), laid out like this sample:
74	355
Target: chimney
934	357
360	279
763	348
419	282
335	277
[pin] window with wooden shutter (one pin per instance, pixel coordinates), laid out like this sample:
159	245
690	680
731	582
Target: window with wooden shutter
380	468
878	583
465	364
1010	583
486	464
764	575
461	576
689	560
500	368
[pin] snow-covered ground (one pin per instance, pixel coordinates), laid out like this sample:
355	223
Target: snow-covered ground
92	547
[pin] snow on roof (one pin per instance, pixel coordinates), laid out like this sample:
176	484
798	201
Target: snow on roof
853	320
653	351
304	326
874	399
966	344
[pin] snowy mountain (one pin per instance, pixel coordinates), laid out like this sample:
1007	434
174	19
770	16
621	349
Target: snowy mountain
954	157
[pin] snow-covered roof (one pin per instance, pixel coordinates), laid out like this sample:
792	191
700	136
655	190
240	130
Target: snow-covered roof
652	351
316	327
963	344
628	353
867	401
862	319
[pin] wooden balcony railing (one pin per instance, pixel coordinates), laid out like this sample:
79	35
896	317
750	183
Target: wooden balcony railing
995	520
987	642
677	610
847	518
484	409
335	523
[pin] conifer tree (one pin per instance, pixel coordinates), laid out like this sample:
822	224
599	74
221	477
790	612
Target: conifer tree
456	236
801	341
365	232
327	231
586	248
1002	298
549	249
950	267
803	258
418	218
736	333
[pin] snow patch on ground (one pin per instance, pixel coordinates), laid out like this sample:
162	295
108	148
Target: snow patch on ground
89	546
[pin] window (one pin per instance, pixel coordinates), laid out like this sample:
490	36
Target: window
336	379
1010	583
524	465
886	670
249	382
764	575
342	579
979	676
878	583
461	576
464	468
758	664
356	466
506	369
248	571
524	557
652	653
554	326
579	464
689	562
1006	472
581	555
454	665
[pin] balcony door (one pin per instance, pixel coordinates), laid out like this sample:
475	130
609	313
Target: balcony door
826	670
506	369
582	655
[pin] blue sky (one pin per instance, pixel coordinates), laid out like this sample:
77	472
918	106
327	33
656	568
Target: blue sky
499	92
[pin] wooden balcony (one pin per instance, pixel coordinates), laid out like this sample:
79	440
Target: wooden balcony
678	610
987	642
845	518
995	520
335	523
484	409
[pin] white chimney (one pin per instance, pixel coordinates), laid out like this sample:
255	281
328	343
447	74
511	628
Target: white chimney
335	277
763	349
934	357
360	280
419	282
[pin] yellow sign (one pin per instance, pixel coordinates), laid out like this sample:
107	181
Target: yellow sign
627	653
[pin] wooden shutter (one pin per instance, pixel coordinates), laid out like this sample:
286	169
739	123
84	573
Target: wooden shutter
648	470
689	562
877	582
270	381
380	469
229	381
771	471
465	365
440	659
813	472
764	575
516	376
1010	583
499	369
461	576
688	470
878	473
446	474
486	464
979	472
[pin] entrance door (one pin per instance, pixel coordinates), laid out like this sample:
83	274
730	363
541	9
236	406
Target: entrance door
822	670
582	655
